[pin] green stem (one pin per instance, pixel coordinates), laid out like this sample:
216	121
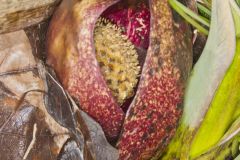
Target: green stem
174	4
203	10
192	14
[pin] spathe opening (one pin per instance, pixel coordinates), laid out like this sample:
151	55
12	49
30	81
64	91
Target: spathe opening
121	40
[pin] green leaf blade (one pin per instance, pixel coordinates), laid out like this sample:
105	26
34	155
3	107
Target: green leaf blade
224	108
206	77
181	10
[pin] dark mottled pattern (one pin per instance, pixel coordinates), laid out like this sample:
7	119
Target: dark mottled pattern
71	53
152	118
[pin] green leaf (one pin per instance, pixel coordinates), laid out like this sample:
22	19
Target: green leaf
209	71
223	106
232	131
191	13
206	77
219	115
238	2
236	13
227	147
190	16
204	10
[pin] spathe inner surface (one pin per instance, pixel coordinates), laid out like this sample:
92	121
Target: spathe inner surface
121	39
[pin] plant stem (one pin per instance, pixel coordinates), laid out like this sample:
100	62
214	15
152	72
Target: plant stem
175	5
